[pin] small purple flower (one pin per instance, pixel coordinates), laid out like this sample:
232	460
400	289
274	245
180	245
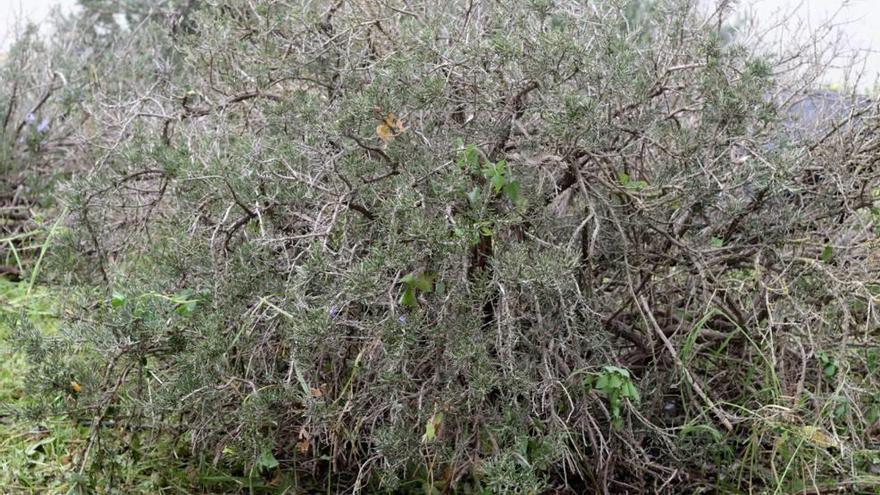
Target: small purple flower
402	319
334	312
30	118
43	126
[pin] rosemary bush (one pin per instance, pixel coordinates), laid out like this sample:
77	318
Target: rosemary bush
511	246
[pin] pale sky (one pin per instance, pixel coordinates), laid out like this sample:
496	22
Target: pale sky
12	12
860	21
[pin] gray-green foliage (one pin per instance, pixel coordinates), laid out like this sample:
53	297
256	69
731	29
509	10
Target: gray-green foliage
570	187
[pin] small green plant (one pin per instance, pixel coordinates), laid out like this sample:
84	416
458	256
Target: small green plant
872	409
469	158
827	253
265	462
431	427
499	176
629	184
413	282
828	364
615	384
184	302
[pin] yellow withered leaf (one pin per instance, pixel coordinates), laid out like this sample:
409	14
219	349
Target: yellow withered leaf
817	437
384	132
75	387
432	427
390	127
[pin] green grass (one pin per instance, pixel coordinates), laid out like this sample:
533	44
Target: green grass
35	457
41	456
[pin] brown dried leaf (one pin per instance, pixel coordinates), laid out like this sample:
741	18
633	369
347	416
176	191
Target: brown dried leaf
302	446
390	128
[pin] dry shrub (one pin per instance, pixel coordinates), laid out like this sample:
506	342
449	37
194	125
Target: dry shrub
509	246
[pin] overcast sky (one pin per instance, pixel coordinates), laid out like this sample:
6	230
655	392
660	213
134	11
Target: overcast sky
12	12
860	21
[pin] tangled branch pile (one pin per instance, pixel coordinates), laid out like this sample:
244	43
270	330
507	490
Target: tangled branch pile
514	246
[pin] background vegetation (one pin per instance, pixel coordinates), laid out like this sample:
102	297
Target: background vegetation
435	247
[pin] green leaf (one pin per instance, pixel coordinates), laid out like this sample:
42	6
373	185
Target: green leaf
511	189
267	460
616	369
589	382
430	432
873	414
497	175
623	177
186	307
630	392
489	170
872	359
412	282
614	400
614	381
424	282
474	195
408	298
183	294
431	427
827	253
716	242
471	157
830	369
117	300
637	185
498	182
